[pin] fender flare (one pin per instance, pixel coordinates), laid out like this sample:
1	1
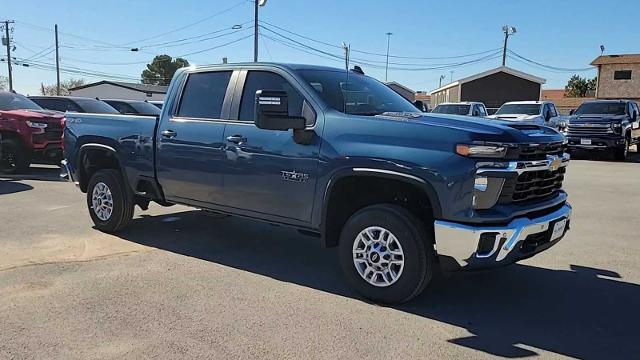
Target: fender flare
89	146
377	172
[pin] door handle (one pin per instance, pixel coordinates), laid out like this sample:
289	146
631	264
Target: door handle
168	133
237	139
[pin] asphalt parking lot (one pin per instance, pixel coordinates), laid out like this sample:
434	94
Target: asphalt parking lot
182	283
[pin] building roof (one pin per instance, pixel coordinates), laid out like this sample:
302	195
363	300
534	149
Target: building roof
617	59
400	86
145	88
503	69
421	95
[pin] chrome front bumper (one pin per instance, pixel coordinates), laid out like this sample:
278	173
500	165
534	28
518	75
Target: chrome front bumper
459	245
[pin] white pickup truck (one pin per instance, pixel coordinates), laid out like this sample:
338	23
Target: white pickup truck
534	112
461	108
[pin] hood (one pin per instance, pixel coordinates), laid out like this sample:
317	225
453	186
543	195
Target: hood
516	117
487	129
590	118
37	115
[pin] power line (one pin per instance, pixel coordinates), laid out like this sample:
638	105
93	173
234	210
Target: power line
216	47
188	25
549	67
380	54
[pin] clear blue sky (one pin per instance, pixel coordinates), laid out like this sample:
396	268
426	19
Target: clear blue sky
560	33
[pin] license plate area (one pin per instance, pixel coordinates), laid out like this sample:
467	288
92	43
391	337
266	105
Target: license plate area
585	141
555	231
558	229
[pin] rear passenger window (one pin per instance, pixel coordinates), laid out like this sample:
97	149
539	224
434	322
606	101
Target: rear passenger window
203	95
263	80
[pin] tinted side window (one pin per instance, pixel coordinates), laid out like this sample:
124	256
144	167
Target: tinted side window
481	110
622	75
263	80
122	107
52	104
203	95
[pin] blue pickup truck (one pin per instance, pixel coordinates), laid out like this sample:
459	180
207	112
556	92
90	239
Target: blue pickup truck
338	155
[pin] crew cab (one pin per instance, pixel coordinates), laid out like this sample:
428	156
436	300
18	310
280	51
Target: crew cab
133	107
29	133
461	108
532	112
335	154
604	125
74	104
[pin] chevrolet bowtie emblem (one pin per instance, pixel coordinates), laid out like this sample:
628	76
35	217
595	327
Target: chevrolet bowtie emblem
555	164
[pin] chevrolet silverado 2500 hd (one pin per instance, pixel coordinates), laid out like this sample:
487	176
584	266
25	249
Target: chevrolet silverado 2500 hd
337	154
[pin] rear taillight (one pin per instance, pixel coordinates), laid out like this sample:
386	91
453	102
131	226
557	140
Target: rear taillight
63	123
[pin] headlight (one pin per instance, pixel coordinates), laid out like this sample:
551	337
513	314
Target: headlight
484	151
36	125
616	127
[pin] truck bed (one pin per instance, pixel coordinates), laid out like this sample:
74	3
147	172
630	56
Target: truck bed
131	137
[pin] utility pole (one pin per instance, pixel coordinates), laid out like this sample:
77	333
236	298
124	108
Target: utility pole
508	31
57	64
451	73
386	68
8	43
442	77
256	4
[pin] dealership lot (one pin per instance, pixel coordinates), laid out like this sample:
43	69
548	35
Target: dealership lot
180	282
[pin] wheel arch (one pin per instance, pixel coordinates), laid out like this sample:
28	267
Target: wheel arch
379	178
95	156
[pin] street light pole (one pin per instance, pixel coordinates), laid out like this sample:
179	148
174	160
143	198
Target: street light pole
256	4
508	30
8	43
57	63
386	68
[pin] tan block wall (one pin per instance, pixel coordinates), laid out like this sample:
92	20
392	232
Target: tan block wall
614	89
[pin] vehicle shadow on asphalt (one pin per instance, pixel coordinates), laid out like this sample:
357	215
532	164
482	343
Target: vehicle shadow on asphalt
11	187
510	312
36	173
634	157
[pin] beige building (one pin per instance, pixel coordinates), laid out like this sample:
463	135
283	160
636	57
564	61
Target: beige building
618	76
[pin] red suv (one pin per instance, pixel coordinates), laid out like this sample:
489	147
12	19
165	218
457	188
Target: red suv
28	132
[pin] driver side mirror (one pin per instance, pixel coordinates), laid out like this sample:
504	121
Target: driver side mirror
547	116
420	105
572	111
272	111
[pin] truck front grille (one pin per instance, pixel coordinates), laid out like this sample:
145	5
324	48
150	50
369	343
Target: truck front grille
540	151
53	132
586	130
532	186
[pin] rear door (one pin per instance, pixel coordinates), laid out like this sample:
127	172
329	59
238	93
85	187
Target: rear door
190	139
267	172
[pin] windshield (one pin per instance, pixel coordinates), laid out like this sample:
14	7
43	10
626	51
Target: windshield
361	96
452	109
601	108
9	101
521	109
95	106
145	108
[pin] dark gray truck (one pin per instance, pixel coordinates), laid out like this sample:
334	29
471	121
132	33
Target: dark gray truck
337	155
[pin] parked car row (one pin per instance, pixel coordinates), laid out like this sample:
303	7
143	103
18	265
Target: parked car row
604	125
31	127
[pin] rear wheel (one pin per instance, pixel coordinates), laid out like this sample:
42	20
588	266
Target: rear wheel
385	254
15	159
110	204
622	152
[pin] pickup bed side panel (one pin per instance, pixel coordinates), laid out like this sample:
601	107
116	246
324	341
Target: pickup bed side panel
130	137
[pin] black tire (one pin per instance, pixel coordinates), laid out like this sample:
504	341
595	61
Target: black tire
15	158
416	243
122	202
622	153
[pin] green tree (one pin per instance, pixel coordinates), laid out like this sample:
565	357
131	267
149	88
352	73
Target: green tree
579	87
65	85
161	70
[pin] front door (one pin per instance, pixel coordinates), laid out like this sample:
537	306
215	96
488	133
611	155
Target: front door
266	170
190	141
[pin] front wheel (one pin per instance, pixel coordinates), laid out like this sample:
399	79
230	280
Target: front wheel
15	159
621	153
386	254
110	204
